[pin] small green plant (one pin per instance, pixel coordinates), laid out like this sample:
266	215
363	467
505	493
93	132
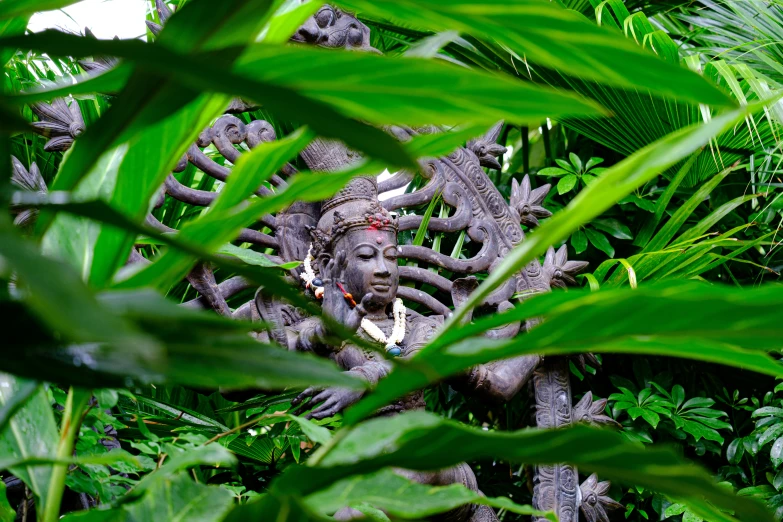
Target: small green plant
652	409
755	460
692	421
576	174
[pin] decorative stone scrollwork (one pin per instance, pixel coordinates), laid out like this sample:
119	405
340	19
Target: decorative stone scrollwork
330	27
555	486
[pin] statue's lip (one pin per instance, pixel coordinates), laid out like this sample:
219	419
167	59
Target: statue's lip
379	285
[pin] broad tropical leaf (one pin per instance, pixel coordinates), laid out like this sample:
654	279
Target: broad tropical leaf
548	34
403	498
195	348
14	8
31	432
414	440
618	321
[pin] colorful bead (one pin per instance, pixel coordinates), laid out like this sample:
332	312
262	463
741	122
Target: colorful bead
348	297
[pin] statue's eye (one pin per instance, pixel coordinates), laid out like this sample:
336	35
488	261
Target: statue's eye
365	253
324	17
355	36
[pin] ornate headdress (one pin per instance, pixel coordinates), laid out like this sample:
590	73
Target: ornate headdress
355	206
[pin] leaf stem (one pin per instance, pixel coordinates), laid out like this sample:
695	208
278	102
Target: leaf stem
235	429
324	450
72	419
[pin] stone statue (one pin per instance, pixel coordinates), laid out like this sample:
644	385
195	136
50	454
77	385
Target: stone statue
355	254
349	249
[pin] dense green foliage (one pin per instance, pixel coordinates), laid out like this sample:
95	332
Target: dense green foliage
658	126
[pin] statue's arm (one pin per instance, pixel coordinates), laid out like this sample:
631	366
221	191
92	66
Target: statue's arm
330	401
306	336
498	381
310	337
371	371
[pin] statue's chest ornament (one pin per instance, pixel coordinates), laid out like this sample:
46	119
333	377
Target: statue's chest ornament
392	342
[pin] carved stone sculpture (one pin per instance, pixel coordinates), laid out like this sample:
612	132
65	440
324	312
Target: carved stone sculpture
349	248
30	181
59	122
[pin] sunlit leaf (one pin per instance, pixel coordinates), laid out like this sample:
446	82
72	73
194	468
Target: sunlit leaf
404	440
31	432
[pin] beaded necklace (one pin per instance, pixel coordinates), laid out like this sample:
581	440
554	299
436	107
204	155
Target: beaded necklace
308	276
392	342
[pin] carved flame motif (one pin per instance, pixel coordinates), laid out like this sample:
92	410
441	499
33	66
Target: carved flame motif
592	412
27	180
99	64
487	149
59	122
30	181
164	13
559	269
595	501
527	203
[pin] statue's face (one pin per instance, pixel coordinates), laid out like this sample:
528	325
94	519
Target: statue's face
371	265
330	27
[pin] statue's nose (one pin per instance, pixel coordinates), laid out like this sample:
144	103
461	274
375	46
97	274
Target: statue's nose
311	33
381	270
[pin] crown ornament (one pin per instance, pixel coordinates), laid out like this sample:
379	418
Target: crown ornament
356	206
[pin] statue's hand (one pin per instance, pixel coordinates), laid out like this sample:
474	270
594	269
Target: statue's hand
357	313
335	304
329	401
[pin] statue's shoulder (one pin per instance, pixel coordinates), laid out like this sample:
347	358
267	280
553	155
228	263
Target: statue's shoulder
416	320
421	328
303	323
